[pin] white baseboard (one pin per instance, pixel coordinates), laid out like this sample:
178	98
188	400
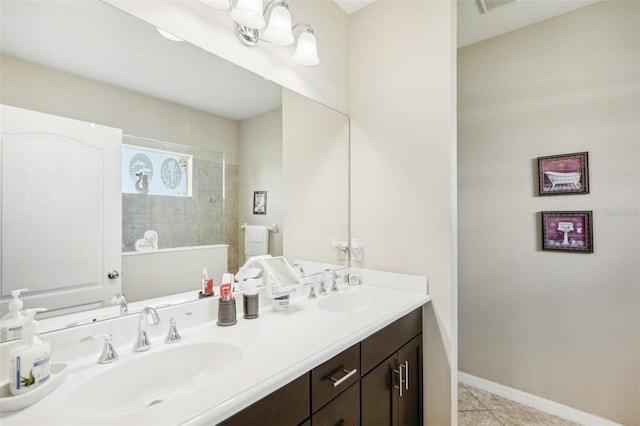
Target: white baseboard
536	402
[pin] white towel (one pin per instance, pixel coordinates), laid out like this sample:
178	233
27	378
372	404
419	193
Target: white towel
256	241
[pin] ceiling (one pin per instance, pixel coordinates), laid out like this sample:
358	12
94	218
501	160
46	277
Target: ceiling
501	17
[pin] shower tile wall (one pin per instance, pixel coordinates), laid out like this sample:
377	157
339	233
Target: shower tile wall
179	221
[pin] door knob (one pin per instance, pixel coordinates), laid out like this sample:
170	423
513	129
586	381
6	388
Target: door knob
113	274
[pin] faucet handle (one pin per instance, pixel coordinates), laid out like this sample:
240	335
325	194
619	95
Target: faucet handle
172	336
322	290
109	353
312	291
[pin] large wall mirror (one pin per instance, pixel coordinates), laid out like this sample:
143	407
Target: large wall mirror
93	63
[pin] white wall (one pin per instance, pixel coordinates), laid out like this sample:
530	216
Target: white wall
401	79
261	170
562	326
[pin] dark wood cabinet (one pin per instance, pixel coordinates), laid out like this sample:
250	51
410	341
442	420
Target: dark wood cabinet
375	382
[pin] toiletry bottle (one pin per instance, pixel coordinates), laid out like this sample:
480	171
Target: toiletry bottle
250	301
226	287
206	283
11	324
29	362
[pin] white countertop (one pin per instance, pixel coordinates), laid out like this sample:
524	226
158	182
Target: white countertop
276	348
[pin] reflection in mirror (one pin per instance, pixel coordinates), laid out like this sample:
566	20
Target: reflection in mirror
91	62
180	201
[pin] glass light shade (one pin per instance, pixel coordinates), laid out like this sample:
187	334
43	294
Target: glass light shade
249	13
279	29
217	4
306	51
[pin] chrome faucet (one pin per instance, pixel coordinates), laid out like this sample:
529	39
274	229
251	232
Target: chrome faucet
147	315
334	285
120	299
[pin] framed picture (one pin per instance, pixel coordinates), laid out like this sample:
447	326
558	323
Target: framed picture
564	174
568	231
259	202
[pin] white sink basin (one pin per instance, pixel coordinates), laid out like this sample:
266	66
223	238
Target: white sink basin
347	302
152	378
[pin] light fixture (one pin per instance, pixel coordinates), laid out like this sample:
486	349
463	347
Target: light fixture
279	30
306	49
248	13
249	18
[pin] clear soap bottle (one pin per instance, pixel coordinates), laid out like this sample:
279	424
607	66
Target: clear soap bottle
11	324
29	361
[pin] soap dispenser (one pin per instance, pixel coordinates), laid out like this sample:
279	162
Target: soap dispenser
29	361
11	324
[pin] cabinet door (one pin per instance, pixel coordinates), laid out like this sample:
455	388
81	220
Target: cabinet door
378	397
410	403
392	392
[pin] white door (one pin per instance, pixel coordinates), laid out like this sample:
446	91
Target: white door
61	205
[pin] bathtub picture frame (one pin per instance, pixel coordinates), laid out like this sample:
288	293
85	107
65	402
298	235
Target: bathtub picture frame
570	231
563	174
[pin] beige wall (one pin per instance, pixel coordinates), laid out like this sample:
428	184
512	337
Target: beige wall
401	77
261	170
562	326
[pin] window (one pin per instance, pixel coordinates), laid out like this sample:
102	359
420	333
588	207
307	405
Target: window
156	172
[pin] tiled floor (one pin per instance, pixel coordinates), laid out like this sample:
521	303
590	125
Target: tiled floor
480	408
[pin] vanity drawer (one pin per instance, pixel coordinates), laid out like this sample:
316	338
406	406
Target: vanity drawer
343	410
287	406
330	378
378	347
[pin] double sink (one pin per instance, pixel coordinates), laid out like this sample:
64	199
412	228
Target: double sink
214	371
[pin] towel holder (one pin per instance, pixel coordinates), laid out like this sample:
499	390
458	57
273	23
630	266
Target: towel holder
273	228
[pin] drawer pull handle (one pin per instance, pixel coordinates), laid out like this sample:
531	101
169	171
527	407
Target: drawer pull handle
338	382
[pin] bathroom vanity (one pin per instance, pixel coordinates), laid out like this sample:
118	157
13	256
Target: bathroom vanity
352	353
375	381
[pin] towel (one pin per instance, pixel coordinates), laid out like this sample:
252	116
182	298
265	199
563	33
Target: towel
256	241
